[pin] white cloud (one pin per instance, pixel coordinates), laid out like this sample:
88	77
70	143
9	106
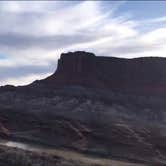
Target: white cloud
155	20
24	80
25	6
34	33
155	37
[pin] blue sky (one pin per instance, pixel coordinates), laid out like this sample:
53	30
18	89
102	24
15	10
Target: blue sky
144	9
33	34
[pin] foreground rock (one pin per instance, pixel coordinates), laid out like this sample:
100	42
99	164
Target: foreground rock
4	132
18	157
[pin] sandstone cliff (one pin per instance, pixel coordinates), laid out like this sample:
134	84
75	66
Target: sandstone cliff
139	75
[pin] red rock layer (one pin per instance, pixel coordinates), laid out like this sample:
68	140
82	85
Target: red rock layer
141	75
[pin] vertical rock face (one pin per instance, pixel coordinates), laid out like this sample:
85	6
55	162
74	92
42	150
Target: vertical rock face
76	63
74	68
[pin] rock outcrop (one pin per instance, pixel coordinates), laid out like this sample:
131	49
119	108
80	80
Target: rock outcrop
138	75
4	132
77	63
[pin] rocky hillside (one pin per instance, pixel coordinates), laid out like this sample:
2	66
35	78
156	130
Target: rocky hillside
139	75
101	106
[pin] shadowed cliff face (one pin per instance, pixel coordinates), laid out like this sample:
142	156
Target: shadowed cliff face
77	63
139	75
75	68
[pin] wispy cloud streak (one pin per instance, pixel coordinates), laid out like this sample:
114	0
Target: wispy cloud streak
33	34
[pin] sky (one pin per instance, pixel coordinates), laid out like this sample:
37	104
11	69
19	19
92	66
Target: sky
33	34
